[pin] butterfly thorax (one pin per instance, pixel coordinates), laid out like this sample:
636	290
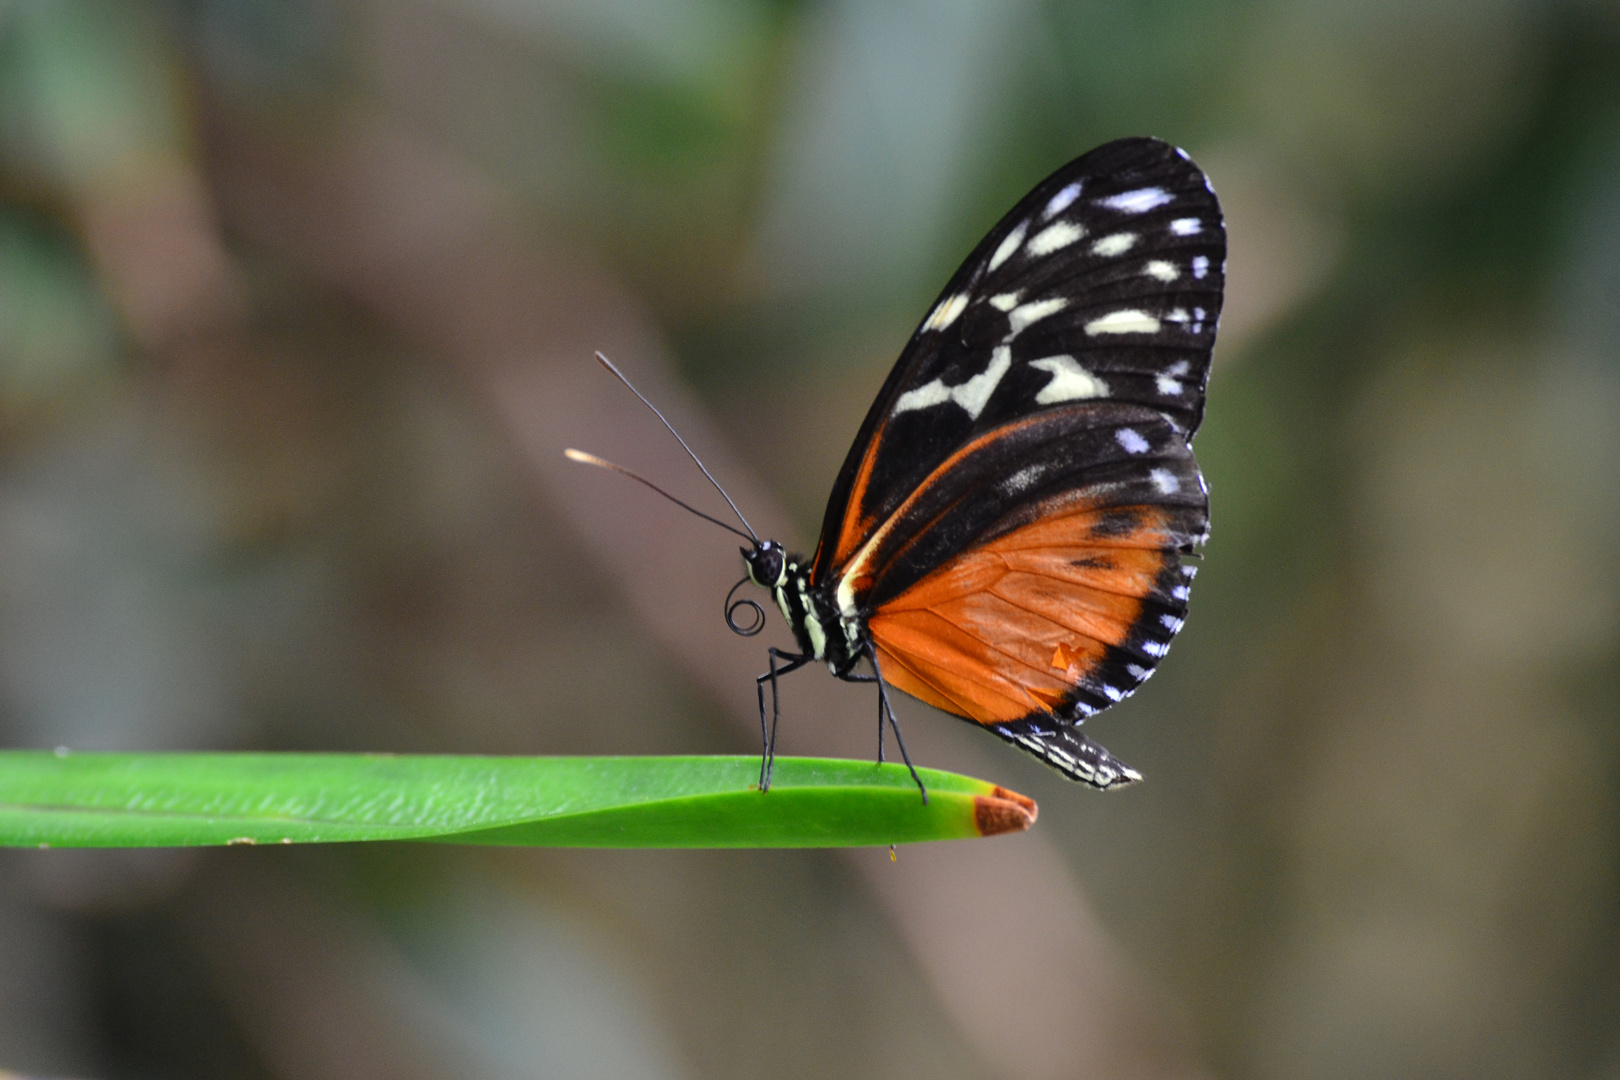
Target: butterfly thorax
818	627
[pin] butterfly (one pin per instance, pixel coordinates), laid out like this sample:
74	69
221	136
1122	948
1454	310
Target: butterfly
1006	538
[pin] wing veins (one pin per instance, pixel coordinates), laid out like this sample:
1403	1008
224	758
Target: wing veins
995	648
920	677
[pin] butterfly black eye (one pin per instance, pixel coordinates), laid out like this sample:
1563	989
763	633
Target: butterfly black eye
765	564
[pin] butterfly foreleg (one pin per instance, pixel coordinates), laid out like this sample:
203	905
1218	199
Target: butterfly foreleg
884	706
767	735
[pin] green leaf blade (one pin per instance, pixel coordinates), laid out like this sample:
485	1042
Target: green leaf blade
168	800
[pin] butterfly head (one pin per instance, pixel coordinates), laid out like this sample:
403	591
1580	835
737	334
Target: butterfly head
766	562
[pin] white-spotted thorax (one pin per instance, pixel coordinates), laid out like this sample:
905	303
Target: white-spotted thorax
818	627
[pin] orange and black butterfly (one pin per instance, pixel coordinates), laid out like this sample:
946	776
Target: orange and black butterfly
1005	539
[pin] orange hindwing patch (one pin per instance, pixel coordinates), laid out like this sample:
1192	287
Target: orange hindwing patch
1014	626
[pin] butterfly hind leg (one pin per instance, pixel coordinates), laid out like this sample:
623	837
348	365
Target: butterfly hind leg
882	701
857	677
767	736
885	707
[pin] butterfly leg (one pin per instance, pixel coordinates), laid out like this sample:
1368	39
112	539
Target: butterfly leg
767	736
853	677
884	706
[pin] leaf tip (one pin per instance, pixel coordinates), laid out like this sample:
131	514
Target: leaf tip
1003	811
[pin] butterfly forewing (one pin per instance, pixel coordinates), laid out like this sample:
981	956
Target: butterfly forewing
1010	519
1104	283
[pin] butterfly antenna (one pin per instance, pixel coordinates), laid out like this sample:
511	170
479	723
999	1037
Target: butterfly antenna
602	463
605	362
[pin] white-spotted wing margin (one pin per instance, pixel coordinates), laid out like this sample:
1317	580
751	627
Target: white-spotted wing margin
1128	321
1008	246
1168	382
1055	237
1060	202
1139	201
947	312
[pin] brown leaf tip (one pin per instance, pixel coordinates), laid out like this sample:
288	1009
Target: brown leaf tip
1012	796
992	815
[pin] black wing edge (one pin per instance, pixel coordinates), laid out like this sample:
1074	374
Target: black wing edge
1068	750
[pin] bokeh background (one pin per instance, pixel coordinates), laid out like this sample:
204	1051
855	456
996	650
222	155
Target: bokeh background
297	303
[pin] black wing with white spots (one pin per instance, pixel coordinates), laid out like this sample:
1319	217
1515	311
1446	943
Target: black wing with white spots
1103	285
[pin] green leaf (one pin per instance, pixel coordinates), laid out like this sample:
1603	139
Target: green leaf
64	799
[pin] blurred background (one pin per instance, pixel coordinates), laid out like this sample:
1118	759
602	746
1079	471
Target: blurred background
297	303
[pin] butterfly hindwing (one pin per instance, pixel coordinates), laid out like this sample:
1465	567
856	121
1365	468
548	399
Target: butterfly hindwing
1055	592
1010	520
1069	751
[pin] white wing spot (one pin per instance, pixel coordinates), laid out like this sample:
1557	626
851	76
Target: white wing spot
1186	226
1137	672
1189	572
1060	202
1021	479
1165	481
1200	266
1169	384
1128	321
1053	237
1171	623
1114	693
1004	301
1164	271
1155	648
1009	245
971	395
947	312
1131	440
1117	244
1051	753
1070	381
1021	317
1181	592
1136	202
